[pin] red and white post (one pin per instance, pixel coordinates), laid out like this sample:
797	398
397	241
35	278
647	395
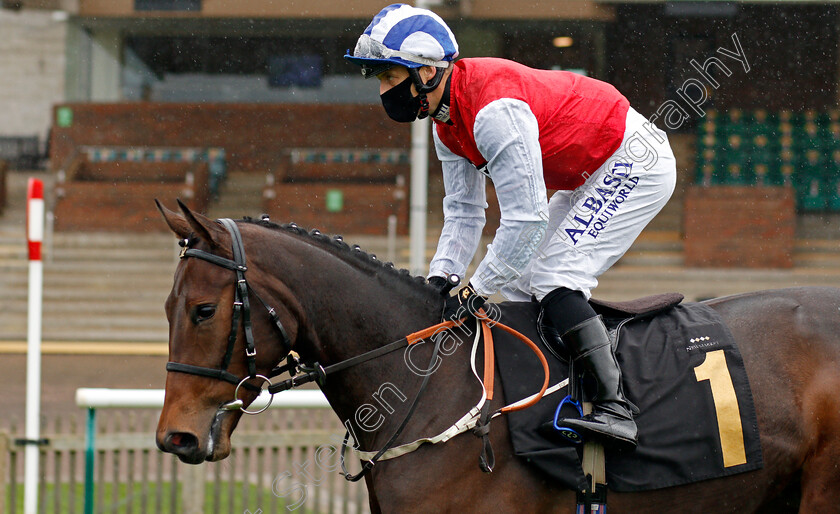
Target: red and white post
34	237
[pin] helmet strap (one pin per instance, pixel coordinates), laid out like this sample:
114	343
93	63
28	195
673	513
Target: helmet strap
424	107
427	87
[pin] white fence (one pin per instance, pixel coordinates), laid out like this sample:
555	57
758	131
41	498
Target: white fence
284	460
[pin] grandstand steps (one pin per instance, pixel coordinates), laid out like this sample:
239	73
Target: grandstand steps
109	292
112	287
97	286
626	282
240	195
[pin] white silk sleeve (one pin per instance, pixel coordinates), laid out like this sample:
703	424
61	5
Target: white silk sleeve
463	213
507	135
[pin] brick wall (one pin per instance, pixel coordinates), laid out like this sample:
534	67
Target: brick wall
734	226
103	200
365	208
341	190
254	136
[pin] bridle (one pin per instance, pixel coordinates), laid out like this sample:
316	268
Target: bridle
310	373
241	310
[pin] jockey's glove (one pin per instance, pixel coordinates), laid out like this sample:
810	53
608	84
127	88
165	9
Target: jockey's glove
466	303
440	283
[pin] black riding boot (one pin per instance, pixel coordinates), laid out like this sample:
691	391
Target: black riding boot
610	422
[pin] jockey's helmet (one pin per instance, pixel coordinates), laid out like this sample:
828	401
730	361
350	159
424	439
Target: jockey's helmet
404	35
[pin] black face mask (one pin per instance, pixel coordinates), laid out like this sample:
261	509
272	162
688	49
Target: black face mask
400	104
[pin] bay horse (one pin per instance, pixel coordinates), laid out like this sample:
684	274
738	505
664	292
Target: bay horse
330	303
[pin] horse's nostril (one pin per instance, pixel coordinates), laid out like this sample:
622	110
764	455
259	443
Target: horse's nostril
185	446
182	443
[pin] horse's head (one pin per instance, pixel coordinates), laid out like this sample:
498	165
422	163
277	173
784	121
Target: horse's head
215	319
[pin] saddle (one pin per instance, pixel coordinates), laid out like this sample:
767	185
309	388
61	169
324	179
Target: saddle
666	350
613	313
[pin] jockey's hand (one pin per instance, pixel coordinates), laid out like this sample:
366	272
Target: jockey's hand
441	284
445	284
466	303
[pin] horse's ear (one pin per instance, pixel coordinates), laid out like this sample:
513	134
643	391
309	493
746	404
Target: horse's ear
202	226
177	223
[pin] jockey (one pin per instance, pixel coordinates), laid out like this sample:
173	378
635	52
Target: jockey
528	130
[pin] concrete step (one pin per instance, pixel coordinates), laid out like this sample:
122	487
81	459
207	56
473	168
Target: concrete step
627	282
139	335
102	295
651	258
69	322
108	278
151	308
61	330
239	196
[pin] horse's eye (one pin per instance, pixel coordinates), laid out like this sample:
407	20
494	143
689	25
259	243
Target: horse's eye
203	312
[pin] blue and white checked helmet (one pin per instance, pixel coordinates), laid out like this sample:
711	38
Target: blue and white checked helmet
406	35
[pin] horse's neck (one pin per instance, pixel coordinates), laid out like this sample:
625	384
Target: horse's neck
360	315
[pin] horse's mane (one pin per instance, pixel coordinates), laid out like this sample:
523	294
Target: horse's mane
339	248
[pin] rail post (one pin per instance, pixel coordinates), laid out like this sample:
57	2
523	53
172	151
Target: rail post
34	237
90	458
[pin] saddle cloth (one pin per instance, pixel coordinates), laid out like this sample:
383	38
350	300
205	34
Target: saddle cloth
681	368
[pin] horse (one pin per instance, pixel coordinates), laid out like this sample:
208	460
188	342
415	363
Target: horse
331	303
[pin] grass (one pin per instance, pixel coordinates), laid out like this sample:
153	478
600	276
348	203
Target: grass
149	498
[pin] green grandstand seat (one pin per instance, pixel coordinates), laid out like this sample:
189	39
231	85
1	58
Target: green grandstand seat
732	123
811	181
760	116
812	164
759	124
738	175
706	141
737	143
832	136
762	174
763	161
736	153
834	195
734	116
785	116
784	174
706	175
808	136
707	165
808	116
708	127
830	116
812	194
833	165
833	180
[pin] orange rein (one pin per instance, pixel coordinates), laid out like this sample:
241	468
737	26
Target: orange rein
489	371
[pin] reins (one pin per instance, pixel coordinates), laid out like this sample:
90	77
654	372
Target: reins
301	373
476	419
